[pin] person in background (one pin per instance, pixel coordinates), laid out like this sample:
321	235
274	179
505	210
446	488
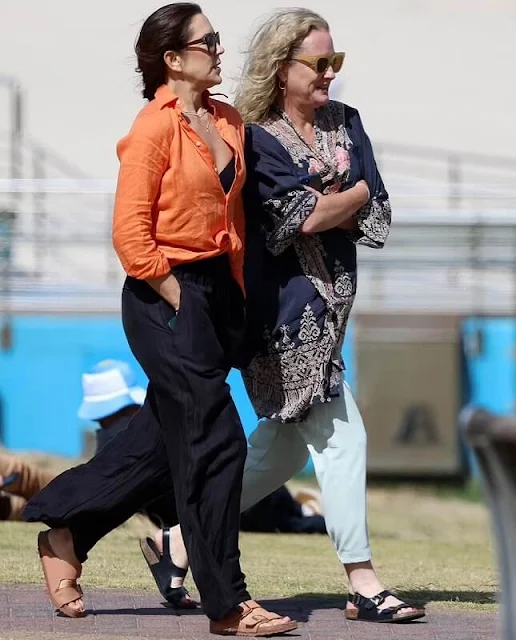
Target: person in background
178	232
111	397
19	481
313	193
285	512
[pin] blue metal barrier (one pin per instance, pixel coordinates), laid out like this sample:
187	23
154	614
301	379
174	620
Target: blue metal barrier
489	374
40	386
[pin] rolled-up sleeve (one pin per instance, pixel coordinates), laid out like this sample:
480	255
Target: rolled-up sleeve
274	187
374	218
144	157
374	221
288	214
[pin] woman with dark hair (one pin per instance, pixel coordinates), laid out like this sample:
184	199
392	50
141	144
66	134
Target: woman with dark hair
178	231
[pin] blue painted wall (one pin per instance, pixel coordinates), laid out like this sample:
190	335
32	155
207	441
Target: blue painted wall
490	363
40	379
489	371
40	387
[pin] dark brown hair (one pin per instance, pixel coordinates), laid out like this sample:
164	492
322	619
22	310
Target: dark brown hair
167	29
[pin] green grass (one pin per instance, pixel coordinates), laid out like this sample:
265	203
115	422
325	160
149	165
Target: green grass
429	547
469	491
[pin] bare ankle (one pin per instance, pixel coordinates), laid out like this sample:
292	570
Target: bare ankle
61	541
177	548
178	553
362	578
60	536
158	540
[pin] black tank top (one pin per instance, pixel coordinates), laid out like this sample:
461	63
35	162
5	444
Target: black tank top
227	175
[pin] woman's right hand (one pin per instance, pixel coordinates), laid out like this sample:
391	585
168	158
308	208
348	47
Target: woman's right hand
168	288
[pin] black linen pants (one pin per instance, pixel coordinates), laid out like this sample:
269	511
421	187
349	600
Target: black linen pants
188	428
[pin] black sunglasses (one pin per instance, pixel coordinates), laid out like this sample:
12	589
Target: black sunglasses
211	40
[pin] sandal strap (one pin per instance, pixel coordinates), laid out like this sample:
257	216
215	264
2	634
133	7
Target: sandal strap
166	542
255	610
176	572
369	604
67	592
403	605
394	609
251	619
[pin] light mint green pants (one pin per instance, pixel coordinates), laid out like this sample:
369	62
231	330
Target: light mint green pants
335	437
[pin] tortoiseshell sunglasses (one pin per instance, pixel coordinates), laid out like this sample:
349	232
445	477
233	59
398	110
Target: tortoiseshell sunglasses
211	40
320	64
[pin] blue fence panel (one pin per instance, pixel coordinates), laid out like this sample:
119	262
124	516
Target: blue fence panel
40	379
490	363
489	375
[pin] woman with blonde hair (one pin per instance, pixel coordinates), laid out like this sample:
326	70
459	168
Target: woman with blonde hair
313	192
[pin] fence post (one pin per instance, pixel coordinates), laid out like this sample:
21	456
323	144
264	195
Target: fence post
15	173
454	182
111	274
39	214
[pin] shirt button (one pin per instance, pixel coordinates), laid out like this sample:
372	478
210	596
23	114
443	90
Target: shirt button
198	144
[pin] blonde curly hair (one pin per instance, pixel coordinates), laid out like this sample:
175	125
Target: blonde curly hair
274	42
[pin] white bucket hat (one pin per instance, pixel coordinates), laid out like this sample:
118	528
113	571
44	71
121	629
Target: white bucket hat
107	388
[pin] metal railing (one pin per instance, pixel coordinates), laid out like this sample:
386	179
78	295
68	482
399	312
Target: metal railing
461	268
61	242
452	246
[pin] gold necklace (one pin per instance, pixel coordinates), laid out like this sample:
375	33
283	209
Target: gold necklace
199	118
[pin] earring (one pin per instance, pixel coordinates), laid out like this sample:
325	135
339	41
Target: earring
281	85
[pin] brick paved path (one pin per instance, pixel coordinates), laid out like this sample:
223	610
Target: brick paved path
118	614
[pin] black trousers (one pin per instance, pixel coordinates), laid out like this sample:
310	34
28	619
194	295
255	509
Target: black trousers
188	427
161	510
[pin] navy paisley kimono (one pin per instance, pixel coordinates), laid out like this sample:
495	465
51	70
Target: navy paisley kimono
300	288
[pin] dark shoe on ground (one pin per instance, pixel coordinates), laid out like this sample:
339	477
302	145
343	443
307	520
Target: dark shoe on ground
164	570
367	609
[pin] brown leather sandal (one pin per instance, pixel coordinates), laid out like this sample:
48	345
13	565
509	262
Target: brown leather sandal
251	620
61	578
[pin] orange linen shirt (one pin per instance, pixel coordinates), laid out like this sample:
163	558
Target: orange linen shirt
170	207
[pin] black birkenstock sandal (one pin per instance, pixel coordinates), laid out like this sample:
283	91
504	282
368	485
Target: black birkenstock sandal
163	570
367	609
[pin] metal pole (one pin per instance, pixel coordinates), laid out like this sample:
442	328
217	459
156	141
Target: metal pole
454	179
39	213
111	273
15	173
